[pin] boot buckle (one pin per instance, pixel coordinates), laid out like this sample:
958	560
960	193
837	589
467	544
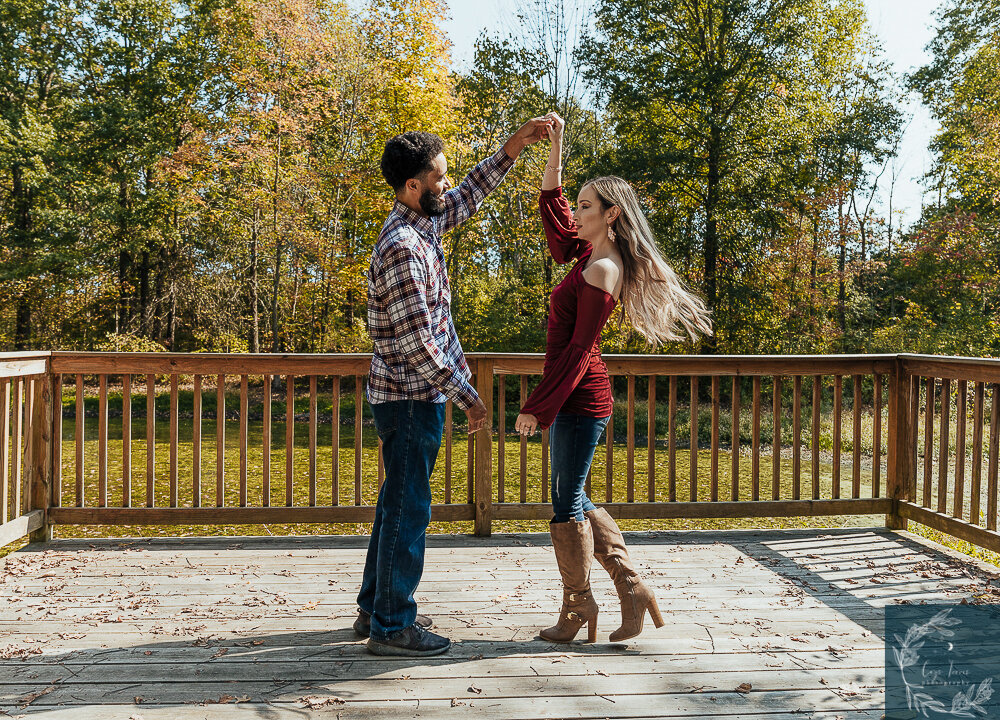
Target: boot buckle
572	597
571	615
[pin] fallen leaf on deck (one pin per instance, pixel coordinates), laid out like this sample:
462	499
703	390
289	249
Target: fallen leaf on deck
743	687
314	702
31	697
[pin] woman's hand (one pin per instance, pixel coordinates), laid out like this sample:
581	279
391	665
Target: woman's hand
556	128
526	424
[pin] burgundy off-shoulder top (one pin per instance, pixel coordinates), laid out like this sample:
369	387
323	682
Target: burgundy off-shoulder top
575	378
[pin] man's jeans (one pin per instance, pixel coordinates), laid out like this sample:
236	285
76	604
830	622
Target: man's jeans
572	439
410	431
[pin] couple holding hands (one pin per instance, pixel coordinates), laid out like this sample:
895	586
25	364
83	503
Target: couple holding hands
418	364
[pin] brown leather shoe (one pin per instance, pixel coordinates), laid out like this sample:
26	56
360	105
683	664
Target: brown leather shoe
635	596
573	543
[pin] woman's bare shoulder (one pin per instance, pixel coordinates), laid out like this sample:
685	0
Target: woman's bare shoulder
603	274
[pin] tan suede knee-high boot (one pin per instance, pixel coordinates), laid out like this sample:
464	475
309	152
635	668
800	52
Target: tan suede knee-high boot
636	597
573	543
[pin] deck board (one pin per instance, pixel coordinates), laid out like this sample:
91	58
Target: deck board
254	627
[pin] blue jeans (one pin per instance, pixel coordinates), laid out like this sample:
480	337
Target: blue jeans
572	441
410	431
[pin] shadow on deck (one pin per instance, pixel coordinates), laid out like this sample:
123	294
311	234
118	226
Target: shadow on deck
261	628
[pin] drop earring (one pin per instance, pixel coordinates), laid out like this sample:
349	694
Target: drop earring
611	233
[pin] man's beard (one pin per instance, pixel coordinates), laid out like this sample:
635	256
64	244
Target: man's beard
433	205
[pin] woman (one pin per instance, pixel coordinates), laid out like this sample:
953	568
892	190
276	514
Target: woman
616	258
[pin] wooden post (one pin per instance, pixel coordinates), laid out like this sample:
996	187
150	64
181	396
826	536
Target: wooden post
484	452
900	465
40	491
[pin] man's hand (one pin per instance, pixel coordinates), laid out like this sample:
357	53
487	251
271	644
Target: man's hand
526	423
529	133
477	416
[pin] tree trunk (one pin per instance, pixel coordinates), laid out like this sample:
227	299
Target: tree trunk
22	331
254	300
144	304
275	345
20	234
710	344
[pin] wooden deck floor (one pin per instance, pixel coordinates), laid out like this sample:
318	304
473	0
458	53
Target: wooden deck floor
260	628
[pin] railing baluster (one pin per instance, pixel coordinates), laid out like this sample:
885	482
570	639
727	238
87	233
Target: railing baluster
928	440
359	399
4	448
911	492
630	443
244	410
102	442
672	441
694	439
959	501
290	440
18	447
220	441
502	437
977	452
609	441
265	450
797	437
23	487
817	405
524	445
545	465
755	475
944	449
448	423
80	495
335	442
650	442
991	490
776	437
150	441
838	410
470	456
173	442
856	440
313	425
877	439
714	488
734	479
126	438
196	444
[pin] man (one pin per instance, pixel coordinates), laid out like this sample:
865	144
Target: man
417	365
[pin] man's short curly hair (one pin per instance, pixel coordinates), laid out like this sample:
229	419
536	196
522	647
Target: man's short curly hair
408	156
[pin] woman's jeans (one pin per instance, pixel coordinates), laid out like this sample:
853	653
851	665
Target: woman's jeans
410	431
572	441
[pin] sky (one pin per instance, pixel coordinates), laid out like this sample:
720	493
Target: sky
904	27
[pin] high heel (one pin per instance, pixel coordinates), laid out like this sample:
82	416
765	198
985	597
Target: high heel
654	613
573	543
635	596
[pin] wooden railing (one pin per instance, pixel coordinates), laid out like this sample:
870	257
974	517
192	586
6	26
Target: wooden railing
25	445
692	437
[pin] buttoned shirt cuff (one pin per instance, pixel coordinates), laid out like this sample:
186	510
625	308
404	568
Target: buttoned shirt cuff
464	395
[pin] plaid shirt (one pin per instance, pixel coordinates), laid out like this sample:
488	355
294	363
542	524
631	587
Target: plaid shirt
417	354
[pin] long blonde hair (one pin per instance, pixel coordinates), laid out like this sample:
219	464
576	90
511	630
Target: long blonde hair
655	301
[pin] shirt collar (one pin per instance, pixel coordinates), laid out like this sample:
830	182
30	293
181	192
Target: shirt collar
421	224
